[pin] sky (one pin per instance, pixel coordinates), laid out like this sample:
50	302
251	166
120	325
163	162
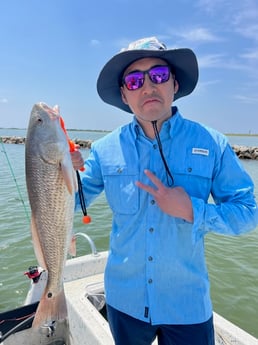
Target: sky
54	50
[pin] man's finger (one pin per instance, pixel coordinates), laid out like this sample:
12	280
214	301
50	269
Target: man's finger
153	178
145	187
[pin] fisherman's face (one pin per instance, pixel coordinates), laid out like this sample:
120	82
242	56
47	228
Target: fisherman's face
151	101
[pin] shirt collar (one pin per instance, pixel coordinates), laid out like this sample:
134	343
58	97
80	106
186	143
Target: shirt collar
167	127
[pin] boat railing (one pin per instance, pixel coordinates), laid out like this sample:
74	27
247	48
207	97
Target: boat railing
94	251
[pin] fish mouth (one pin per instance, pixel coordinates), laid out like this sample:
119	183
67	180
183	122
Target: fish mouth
53	113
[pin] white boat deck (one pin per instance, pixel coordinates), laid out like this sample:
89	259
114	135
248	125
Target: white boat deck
83	313
83	278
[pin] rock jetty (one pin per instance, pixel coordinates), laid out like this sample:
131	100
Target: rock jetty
246	152
85	144
243	152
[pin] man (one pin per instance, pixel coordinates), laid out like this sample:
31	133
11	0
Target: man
158	172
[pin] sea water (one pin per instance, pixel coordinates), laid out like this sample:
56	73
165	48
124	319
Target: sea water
232	261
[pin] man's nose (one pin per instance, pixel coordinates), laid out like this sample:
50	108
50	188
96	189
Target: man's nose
148	84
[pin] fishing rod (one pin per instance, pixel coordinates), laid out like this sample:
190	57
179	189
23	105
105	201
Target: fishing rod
15	180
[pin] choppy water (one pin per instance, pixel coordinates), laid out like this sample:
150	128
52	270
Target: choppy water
232	261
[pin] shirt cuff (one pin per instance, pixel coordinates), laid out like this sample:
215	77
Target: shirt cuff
199	219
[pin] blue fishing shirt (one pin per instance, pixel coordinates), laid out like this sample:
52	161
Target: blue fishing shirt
156	269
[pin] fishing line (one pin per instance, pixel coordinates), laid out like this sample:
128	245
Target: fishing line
15	181
25	323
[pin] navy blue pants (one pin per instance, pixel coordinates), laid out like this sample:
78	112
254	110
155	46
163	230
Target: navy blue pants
127	330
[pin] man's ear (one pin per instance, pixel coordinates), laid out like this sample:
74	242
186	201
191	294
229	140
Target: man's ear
176	86
123	96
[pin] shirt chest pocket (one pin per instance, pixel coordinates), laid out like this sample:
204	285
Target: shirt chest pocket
195	172
121	192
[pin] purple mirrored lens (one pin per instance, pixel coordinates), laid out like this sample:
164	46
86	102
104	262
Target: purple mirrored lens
134	80
157	74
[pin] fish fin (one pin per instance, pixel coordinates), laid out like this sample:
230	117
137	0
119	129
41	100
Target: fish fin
59	333
72	248
50	309
36	244
68	173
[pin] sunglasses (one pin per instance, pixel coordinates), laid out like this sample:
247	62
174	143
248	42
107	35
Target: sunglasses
157	74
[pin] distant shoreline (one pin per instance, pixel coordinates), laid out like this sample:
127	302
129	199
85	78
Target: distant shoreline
68	129
107	131
242	151
240	135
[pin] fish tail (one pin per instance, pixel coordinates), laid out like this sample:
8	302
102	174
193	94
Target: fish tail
50	309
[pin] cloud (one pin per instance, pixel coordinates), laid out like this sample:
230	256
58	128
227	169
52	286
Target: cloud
240	17
212	7
222	61
211	60
251	55
248	30
247	99
94	42
200	35
3	100
203	86
245	20
247	12
210	82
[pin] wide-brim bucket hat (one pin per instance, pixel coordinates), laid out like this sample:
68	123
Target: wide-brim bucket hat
183	63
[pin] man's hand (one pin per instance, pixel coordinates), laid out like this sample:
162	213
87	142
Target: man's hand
77	159
173	201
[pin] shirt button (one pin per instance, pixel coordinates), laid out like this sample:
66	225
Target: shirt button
150	258
150	281
151	230
152	202
155	146
189	169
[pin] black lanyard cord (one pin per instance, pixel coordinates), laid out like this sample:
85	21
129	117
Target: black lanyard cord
170	179
81	195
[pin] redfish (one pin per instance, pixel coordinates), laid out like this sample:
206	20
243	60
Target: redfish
51	185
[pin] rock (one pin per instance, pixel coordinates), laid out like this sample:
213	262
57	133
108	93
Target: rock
86	144
246	152
13	140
